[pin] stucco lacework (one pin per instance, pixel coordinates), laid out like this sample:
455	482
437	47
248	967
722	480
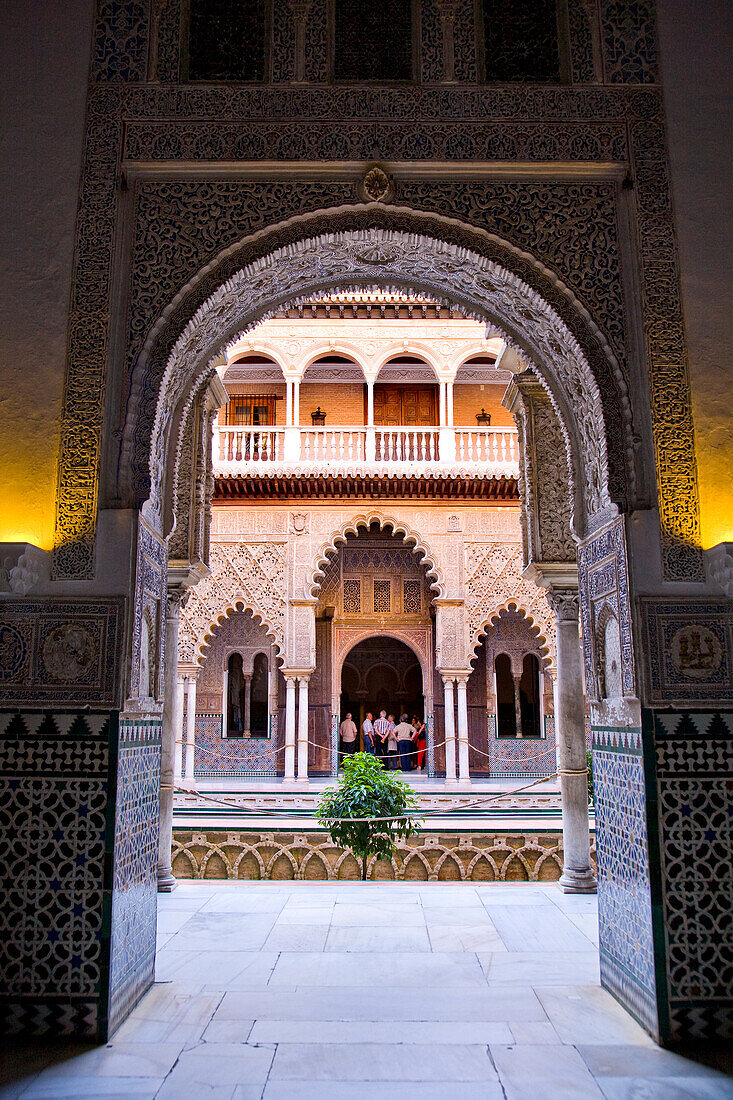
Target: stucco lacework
170	122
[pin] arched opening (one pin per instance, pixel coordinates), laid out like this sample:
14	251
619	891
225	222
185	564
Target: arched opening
235	696
259	707
506	711
379	674
529	696
247	425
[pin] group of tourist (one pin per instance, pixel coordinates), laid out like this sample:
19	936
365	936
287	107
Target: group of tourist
403	745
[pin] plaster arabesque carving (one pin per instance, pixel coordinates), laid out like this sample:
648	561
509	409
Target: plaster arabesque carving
250	574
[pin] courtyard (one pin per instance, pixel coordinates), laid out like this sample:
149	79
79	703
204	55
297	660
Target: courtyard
358	991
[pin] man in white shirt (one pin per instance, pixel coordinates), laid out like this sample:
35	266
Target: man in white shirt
381	729
367	730
405	733
348	733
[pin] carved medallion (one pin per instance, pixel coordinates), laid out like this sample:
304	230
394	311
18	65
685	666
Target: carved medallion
377	253
68	652
376	185
696	652
300	522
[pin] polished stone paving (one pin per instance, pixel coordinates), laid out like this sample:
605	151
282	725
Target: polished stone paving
359	991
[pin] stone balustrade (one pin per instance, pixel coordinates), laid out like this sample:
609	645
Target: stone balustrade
240	449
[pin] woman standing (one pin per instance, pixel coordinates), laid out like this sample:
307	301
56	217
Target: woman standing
421	741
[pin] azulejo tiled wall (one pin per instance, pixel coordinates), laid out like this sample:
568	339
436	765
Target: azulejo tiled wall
215	755
134	880
624	895
55	843
694	766
78	858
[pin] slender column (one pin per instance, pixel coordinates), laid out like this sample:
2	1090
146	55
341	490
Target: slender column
288	403
449	404
442	420
170	732
225	703
464	772
300	11
370	402
178	732
289	728
303	729
447	10
517	704
246	717
450	733
577	876
296	403
190	728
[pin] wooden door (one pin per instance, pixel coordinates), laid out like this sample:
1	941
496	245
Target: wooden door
409	406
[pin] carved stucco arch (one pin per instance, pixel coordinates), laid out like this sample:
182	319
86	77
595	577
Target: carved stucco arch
542	630
198	641
398	635
409	535
425	254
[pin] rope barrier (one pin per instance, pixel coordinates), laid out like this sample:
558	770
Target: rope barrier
398	817
410	752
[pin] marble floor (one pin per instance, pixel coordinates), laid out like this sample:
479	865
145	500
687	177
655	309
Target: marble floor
359	991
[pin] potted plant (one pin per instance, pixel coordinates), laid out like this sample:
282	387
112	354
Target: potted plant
369	810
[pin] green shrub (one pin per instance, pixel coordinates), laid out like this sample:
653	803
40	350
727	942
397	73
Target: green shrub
589	763
366	812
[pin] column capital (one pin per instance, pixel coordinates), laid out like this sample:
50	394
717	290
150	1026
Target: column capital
297	673
565	602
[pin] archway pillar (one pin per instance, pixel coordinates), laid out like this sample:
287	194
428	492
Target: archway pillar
464	773
450	731
562	594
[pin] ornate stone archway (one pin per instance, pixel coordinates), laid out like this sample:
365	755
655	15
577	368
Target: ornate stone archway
584	380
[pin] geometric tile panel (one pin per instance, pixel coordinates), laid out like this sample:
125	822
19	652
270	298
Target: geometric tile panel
135	896
688	652
694	761
624	889
61	653
517	757
54	844
216	755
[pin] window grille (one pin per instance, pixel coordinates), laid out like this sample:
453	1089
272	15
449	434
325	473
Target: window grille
373	41
227	40
412	597
250	409
382	597
521	41
352	597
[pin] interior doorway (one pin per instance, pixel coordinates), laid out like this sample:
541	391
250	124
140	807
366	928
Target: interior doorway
381	673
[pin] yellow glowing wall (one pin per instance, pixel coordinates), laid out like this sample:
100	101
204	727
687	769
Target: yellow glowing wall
44	72
699	124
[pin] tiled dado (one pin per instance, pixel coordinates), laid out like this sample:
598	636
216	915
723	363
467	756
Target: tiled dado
215	755
664	813
693	753
73	800
625	924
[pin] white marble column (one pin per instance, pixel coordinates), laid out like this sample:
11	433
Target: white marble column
225	702
296	404
464	772
190	728
450	733
180	694
247	716
302	753
577	876
170	733
449	404
289	764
